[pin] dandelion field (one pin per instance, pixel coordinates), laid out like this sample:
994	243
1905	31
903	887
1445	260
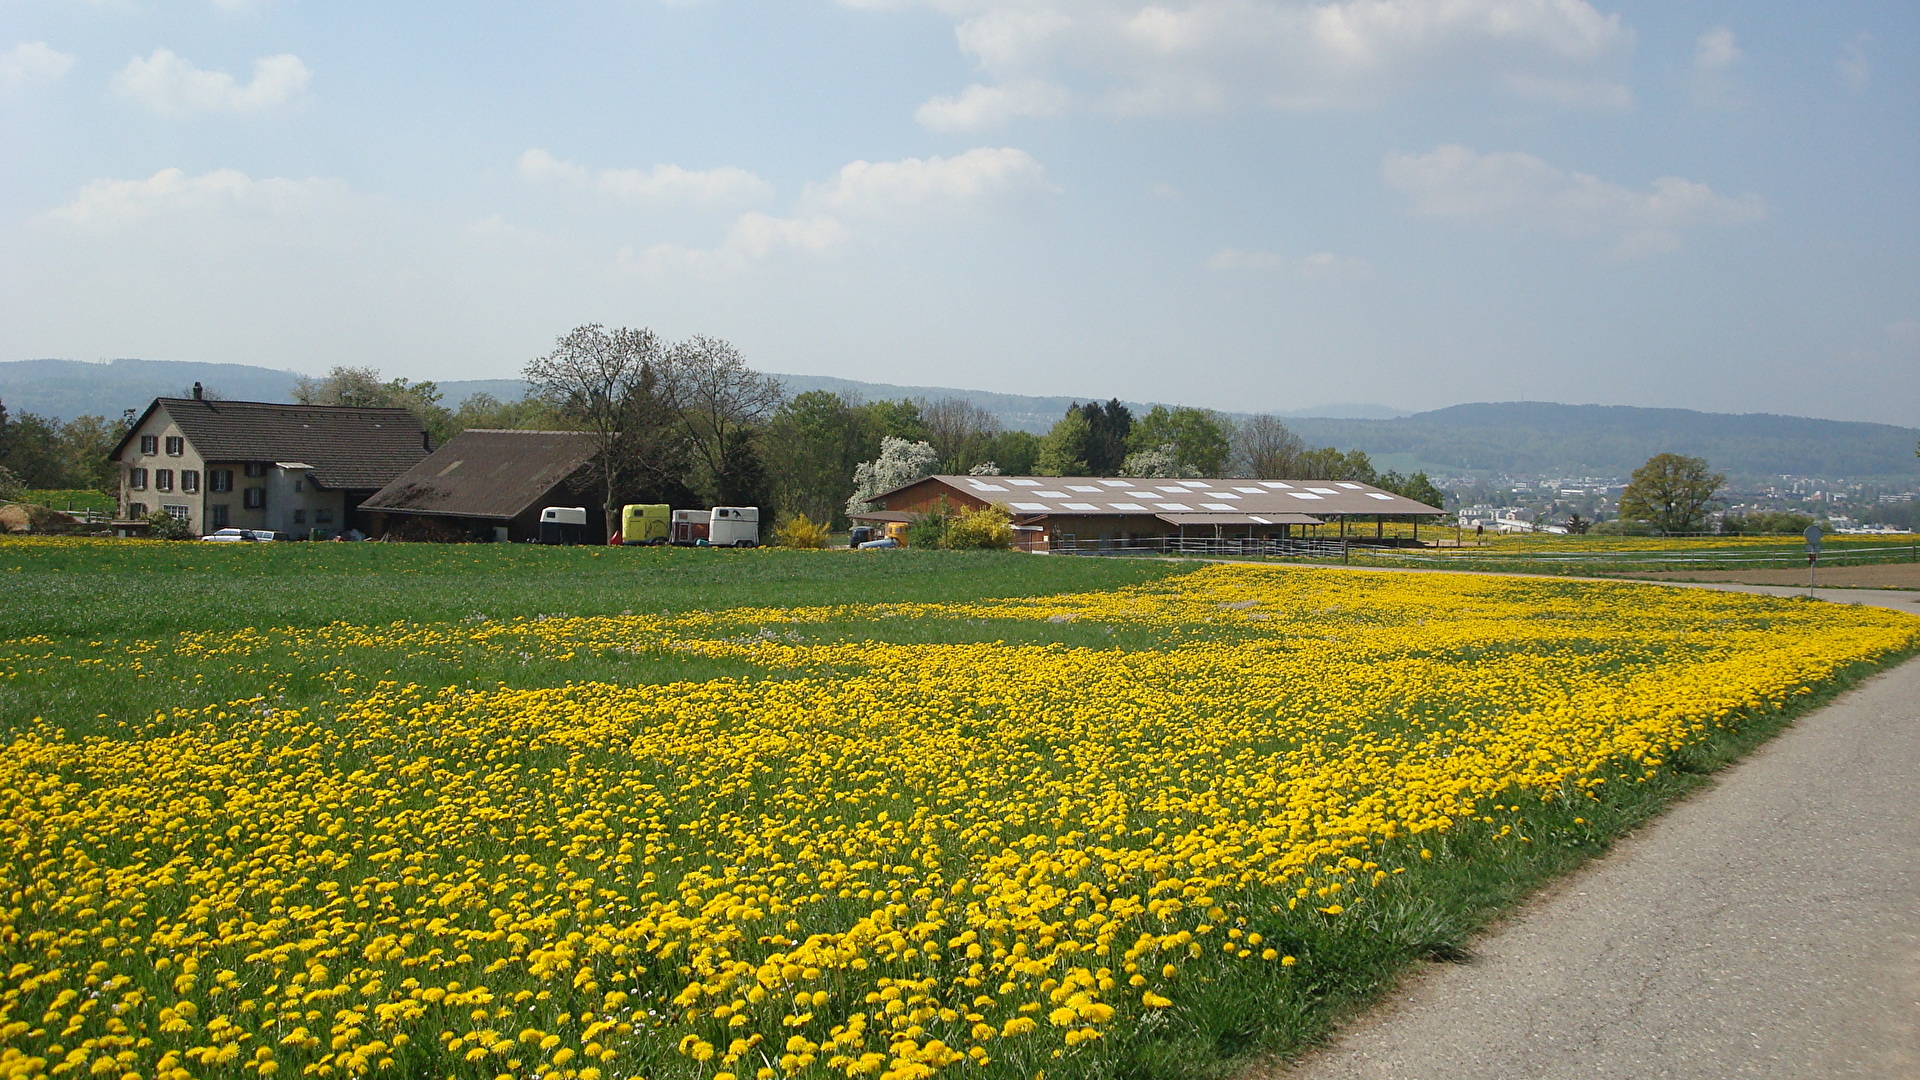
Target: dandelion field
1125	825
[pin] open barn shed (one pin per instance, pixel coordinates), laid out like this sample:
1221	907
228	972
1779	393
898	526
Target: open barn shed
1105	512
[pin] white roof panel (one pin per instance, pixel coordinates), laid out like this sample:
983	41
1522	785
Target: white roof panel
1037	508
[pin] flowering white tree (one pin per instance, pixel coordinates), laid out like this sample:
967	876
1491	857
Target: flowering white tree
900	462
1163	460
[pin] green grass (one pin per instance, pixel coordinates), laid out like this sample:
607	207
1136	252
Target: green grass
70	499
90	611
93	609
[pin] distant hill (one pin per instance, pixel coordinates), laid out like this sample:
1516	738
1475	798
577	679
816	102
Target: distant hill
69	388
1518	437
1534	437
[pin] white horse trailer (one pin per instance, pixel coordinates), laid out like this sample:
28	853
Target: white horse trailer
734	526
563	525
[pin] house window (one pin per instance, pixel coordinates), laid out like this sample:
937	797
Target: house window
299	517
137	479
256	468
176	511
163	479
323	515
299	485
255	498
149	444
217	516
176	446
189	480
136	511
219	479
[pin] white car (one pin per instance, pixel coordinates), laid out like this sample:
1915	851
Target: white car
241	536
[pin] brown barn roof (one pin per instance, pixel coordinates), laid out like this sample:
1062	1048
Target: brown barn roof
345	447
485	473
1118	495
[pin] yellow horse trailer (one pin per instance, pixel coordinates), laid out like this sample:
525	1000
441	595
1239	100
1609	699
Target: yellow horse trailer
645	523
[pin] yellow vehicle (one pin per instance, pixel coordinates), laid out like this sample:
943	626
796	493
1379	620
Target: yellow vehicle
645	523
897	532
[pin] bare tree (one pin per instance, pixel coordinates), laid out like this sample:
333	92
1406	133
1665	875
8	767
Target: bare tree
593	375
1266	448
721	401
958	430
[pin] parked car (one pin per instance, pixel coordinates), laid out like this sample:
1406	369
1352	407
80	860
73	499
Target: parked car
242	536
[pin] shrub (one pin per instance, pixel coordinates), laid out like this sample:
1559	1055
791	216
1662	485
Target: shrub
800	532
988	527
928	530
10	485
165	526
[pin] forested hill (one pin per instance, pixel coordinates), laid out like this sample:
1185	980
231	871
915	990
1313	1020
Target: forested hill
1535	437
1519	437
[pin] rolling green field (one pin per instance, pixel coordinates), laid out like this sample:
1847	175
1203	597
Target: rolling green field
77	600
485	812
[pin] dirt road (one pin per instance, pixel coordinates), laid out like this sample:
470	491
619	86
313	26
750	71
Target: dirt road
1767	927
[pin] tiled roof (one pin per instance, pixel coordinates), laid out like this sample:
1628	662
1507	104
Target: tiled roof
347	448
1108	495
485	473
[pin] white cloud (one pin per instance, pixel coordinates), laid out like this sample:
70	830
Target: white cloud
32	63
170	195
863	199
1716	58
753	237
920	184
1856	61
662	183
979	107
1321	266
172	85
1508	187
1325	265
1126	57
1228	258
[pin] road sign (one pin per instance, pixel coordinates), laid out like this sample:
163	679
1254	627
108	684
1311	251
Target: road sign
1813	538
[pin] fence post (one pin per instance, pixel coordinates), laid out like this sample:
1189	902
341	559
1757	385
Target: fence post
1343	551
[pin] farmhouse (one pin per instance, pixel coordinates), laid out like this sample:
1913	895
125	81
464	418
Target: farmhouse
490	485
1071	512
296	469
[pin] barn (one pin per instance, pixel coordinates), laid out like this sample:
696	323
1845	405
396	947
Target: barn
490	485
1074	513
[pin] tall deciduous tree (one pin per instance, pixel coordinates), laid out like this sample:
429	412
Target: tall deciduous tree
721	402
812	445
1265	448
592	375
959	431
1671	492
1198	437
900	462
363	387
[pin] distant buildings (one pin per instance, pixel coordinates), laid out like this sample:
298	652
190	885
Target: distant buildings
490	485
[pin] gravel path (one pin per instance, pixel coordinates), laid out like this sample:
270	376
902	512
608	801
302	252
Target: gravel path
1769	926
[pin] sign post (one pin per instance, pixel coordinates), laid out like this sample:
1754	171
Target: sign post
1813	554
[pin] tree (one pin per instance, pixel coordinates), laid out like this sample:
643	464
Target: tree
1064	451
959	431
591	376
362	387
812	445
720	401
1328	463
1163	460
1016	453
1265	448
483	410
1671	492
1109	428
900	462
1198	436
1418	487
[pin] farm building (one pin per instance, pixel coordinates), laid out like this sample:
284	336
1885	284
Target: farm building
1071	512
302	470
490	485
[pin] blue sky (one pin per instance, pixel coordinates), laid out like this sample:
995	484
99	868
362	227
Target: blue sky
1245	204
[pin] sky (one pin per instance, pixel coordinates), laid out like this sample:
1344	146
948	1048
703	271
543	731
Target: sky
1239	204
